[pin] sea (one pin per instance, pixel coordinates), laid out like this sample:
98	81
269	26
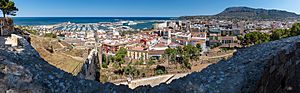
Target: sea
33	21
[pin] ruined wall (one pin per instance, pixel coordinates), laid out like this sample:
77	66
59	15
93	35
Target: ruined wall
6	26
267	68
90	69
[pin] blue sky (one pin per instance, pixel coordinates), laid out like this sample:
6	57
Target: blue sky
141	8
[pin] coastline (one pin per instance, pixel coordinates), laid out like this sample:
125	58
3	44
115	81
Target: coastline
56	20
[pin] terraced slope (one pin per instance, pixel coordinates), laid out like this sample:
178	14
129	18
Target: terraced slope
57	54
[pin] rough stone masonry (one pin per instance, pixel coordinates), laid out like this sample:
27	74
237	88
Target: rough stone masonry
266	68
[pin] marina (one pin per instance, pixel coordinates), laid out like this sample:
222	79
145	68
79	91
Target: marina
107	26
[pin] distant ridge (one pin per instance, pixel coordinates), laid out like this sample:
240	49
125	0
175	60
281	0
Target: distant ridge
248	13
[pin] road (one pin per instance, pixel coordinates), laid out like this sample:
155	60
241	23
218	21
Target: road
153	81
156	80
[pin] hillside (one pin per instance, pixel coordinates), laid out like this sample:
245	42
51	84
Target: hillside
57	54
248	13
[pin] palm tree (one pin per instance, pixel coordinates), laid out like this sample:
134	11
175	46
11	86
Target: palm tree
8	8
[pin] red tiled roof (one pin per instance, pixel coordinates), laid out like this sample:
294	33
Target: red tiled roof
156	52
160	45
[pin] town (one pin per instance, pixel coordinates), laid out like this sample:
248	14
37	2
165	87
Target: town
154	51
157	46
152	42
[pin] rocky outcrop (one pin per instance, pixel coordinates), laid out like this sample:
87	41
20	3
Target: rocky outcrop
267	68
6	26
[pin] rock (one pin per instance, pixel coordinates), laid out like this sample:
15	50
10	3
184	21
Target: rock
272	69
2	58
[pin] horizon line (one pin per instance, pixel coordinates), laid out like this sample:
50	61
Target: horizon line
96	16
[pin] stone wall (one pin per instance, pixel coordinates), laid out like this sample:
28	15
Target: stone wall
267	68
282	74
89	68
23	70
6	26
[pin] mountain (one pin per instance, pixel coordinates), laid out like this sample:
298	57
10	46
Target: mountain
250	14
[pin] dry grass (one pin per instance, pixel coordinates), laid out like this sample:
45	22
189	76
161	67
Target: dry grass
58	58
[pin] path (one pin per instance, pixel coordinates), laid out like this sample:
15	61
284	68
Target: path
153	81
214	57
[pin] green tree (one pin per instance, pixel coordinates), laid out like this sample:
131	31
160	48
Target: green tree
255	38
279	34
8	7
180	53
34	32
240	37
150	62
186	62
120	56
259	37
276	35
159	70
192	52
131	70
179	50
104	62
199	47
170	54
295	30
183	55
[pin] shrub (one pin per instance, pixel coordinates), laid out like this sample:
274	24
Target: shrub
151	62
34	32
130	70
104	65
51	35
187	65
159	70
